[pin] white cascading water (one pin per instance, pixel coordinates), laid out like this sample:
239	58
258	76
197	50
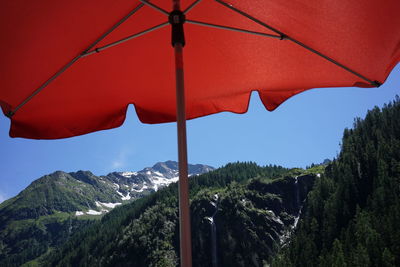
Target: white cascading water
214	232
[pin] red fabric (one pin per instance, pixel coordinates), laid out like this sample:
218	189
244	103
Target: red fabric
222	67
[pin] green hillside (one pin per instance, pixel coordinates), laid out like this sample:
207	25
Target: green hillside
256	206
43	215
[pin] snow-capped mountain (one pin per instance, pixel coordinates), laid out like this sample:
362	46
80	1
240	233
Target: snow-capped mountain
53	207
83	193
130	185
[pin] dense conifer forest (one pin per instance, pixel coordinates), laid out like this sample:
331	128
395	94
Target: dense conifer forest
352	215
145	233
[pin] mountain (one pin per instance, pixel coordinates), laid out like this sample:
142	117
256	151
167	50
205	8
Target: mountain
240	214
133	185
344	213
352	215
53	207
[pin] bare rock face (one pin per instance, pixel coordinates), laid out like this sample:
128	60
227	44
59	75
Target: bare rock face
249	220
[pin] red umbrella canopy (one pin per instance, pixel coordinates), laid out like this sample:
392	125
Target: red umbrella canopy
58	78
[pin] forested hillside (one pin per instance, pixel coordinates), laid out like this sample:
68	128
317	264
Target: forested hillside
52	208
252	208
42	215
352	215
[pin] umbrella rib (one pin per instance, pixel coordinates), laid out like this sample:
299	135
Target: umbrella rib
191	6
52	78
232	29
99	49
136	9
286	37
147	3
69	64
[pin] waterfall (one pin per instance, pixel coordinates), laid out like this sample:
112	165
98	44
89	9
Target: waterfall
214	232
69	227
286	235
298	203
296	184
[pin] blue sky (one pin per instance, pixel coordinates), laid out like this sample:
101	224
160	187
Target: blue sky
305	129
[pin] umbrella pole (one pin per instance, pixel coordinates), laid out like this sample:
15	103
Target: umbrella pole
176	19
184	211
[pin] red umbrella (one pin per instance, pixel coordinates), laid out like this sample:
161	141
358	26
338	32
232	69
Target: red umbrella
72	67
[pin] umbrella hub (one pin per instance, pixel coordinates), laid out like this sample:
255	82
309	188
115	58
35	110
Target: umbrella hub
176	18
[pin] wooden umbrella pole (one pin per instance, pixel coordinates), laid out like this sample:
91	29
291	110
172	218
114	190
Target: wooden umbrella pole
177	19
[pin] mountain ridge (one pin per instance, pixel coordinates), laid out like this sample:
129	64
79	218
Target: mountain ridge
115	187
51	208
127	237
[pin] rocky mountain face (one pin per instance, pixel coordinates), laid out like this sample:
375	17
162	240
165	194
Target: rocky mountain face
241	214
54	206
133	185
244	225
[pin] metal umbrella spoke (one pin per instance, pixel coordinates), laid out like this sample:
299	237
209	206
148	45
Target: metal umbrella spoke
285	36
195	3
232	29
75	59
155	7
130	37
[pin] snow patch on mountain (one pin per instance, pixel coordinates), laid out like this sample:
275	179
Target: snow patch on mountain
127	197
107	205
151	179
128	174
93	212
131	185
